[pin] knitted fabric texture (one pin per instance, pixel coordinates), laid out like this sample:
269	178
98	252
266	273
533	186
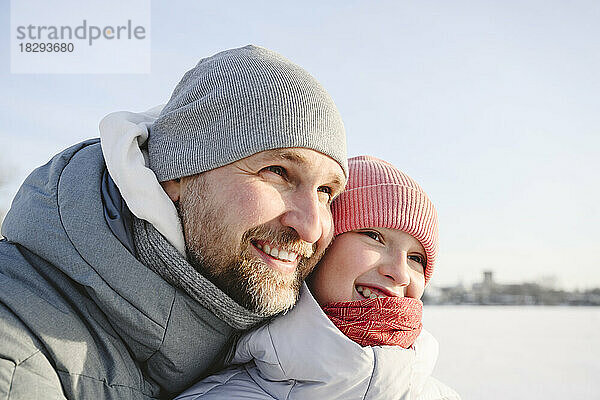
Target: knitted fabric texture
387	321
240	102
160	256
379	195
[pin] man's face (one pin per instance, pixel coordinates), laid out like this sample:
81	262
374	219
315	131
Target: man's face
258	226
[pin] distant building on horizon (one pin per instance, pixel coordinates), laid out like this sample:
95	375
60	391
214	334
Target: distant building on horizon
490	292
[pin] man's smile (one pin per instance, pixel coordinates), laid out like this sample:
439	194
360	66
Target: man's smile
276	256
275	251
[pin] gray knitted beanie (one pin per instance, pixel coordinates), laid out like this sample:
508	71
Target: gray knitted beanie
240	102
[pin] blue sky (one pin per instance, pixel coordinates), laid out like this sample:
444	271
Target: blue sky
491	106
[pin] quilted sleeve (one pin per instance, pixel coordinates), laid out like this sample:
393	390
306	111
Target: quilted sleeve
32	378
25	372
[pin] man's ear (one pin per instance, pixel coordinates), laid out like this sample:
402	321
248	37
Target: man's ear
173	189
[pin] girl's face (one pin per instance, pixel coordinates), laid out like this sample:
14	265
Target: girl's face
370	262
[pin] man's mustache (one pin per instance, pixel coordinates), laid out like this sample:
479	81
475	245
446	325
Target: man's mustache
286	239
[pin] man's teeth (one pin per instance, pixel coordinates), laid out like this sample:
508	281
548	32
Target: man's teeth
368	293
278	253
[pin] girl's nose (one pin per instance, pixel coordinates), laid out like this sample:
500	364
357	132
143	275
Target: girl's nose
397	269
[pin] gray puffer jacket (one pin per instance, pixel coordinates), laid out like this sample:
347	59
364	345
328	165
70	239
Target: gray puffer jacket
302	355
81	317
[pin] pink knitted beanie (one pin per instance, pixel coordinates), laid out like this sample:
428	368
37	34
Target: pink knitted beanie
379	195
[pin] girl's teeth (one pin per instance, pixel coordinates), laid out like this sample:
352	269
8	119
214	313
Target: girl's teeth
274	252
283	255
266	248
369	294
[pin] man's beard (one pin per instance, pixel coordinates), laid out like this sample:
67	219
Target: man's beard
229	262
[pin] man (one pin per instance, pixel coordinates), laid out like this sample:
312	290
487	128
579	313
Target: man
129	267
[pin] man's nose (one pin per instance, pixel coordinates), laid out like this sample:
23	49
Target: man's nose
397	268
306	215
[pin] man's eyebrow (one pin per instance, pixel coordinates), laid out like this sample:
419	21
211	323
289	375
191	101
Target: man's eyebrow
292	156
337	181
297	158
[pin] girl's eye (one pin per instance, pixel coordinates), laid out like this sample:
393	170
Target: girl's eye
373	235
417	258
276	169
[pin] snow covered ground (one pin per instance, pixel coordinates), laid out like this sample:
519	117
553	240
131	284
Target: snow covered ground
528	353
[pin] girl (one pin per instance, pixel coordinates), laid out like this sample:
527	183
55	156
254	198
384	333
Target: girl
360	336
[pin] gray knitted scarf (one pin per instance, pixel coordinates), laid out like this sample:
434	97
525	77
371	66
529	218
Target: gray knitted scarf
155	252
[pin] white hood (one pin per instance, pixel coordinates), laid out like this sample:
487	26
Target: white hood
122	136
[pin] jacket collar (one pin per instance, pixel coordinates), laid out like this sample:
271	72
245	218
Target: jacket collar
290	343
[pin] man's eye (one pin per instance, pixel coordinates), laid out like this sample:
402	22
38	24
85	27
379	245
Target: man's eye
373	235
417	258
276	169
327	191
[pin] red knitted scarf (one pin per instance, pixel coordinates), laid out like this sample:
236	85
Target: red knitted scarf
375	322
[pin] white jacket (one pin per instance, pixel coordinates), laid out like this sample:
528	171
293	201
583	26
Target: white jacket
302	355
